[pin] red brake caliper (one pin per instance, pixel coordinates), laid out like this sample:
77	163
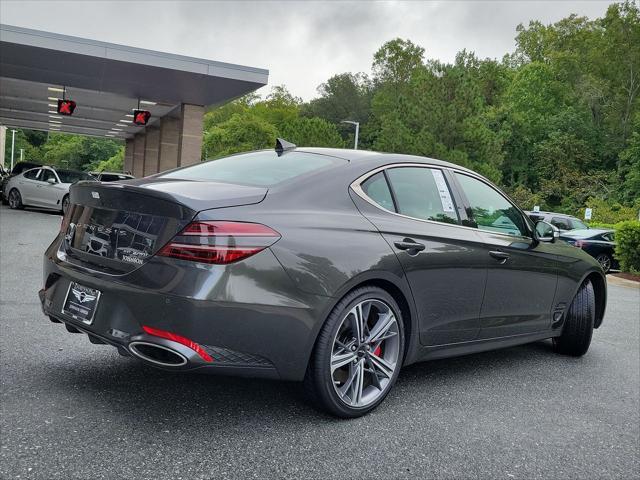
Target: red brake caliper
377	351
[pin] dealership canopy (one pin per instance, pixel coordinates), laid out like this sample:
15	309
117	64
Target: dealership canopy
108	82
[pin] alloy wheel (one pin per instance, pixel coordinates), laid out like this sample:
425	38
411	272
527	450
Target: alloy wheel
65	205
365	353
605	261
14	200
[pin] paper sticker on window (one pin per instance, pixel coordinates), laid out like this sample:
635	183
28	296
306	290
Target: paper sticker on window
443	190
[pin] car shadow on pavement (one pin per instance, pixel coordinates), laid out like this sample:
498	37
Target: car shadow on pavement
131	391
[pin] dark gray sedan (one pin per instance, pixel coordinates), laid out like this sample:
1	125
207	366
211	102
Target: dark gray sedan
332	267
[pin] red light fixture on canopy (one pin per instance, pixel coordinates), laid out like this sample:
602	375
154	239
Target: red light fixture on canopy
141	117
65	106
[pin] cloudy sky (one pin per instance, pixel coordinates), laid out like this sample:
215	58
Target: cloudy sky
301	43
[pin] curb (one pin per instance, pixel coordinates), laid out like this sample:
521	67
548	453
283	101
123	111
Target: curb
622	282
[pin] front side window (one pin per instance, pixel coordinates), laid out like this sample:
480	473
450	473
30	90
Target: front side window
562	223
489	209
422	193
577	224
48	174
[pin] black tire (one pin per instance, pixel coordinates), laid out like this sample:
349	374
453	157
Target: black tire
65	204
578	326
319	382
15	199
605	261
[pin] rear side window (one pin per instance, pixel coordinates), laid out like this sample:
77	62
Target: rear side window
262	169
608	237
112	177
377	189
32	174
422	193
489	209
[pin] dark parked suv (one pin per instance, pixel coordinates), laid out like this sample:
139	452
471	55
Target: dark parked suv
332	267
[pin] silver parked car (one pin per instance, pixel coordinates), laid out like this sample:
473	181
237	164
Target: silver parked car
44	187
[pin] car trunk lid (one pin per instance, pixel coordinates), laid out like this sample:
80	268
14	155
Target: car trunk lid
116	227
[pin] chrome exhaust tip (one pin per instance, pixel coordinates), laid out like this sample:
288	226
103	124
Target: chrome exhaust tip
157	354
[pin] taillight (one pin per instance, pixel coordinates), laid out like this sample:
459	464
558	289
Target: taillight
66	219
219	242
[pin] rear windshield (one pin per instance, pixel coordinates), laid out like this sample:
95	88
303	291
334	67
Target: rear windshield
262	169
113	177
69	176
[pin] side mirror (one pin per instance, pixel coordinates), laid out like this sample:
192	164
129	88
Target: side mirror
545	232
51	181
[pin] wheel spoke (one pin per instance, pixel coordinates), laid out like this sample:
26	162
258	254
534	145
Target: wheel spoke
357	323
385	337
366	311
359	386
381	327
341	359
344	389
374	375
382	366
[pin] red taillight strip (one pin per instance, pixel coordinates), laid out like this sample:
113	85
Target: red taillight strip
208	253
228	229
156	332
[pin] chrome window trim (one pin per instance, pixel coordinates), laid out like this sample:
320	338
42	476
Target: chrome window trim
356	186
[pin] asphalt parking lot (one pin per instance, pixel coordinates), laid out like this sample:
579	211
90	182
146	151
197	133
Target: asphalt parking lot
74	410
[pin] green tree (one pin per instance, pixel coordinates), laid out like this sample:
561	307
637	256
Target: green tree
311	132
241	133
345	96
395	62
113	164
630	166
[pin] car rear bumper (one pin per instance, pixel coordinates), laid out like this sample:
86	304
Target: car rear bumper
247	317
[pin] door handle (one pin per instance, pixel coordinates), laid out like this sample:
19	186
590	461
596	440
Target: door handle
408	244
498	255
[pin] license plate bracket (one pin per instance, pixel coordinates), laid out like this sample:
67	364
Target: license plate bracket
81	303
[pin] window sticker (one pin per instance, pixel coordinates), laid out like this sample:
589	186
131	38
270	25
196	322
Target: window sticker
443	190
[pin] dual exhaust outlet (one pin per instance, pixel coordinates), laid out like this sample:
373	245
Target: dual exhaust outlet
157	354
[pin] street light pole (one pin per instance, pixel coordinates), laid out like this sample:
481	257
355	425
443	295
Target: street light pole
357	124
13	144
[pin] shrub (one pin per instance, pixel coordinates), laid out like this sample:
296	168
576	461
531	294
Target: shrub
628	246
609	212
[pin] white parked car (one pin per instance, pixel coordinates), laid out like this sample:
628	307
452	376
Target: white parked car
44	187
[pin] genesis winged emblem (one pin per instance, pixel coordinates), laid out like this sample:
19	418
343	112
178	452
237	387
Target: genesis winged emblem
82	296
